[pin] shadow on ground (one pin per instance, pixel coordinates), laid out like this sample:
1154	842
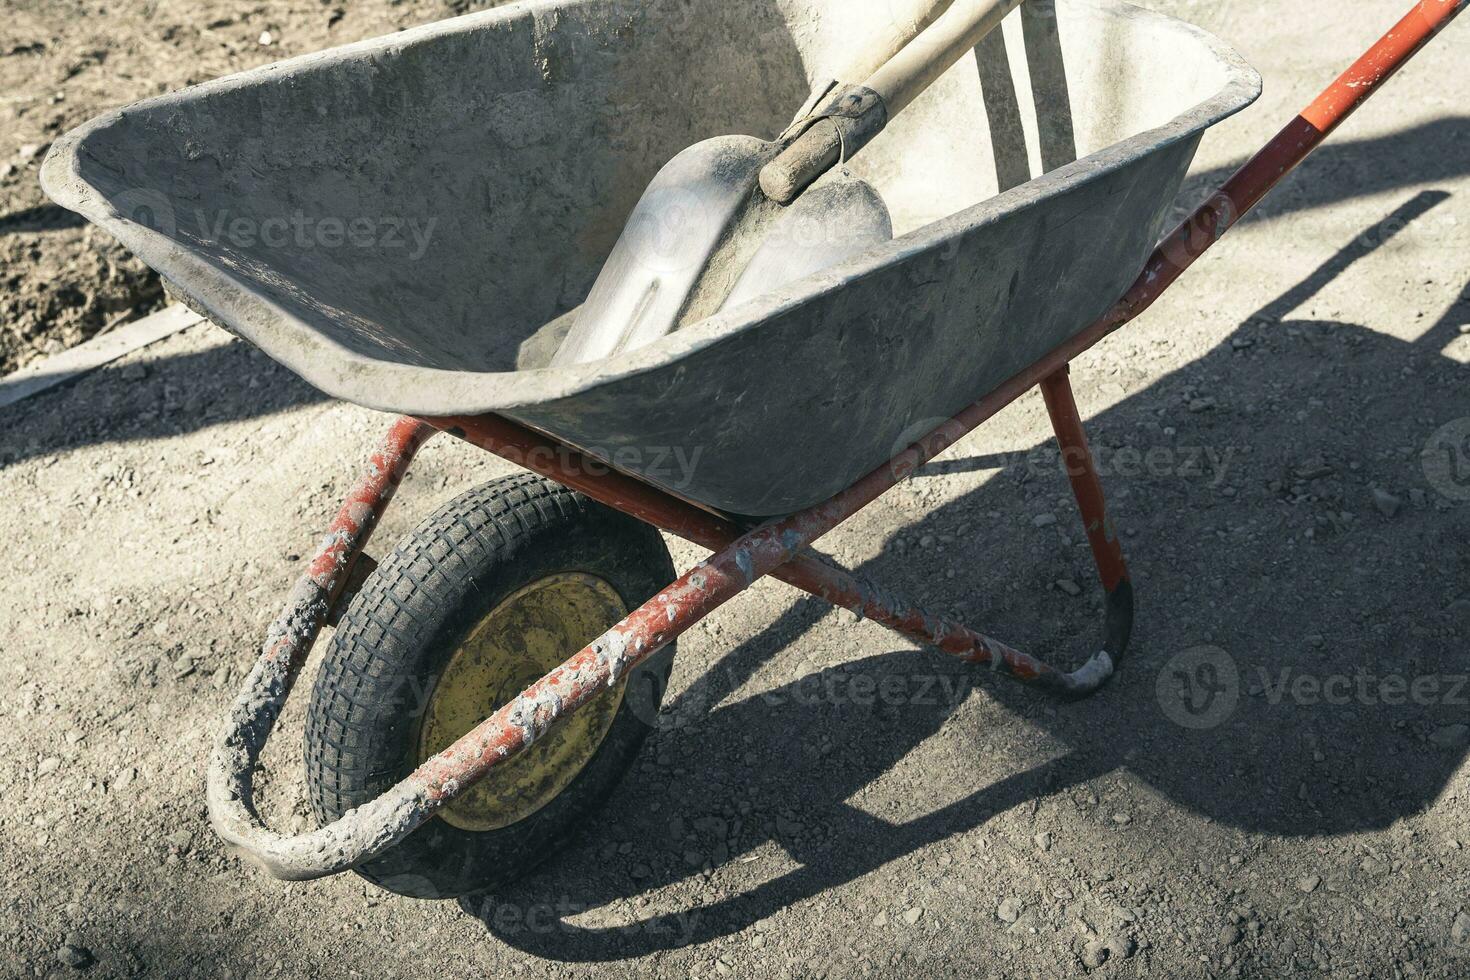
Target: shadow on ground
157	399
1273	555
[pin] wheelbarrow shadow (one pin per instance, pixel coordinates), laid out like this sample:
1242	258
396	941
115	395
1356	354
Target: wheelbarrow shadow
1313	417
734	804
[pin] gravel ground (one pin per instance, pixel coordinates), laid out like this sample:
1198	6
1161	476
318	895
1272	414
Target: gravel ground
1273	437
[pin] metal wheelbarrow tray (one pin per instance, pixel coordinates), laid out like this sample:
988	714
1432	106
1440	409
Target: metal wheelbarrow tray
522	137
516	142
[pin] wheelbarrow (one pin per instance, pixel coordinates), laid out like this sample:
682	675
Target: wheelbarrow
489	682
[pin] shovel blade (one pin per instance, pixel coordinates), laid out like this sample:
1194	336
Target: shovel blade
832	222
676	235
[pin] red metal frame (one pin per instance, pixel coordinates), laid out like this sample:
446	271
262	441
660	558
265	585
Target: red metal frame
742	555
802	569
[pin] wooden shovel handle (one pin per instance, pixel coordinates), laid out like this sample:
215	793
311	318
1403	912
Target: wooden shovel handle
908	19
961	26
919	63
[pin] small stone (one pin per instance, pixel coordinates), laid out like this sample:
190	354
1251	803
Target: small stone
712	825
787	828
266	39
29	151
48	765
134	372
1460	930
1388	505
1043	520
1009	910
913	915
1451	736
1231	934
1068	586
1122	819
1098	951
1309	883
1314	469
693	858
76	957
880	920
1201	405
180	840
1043	841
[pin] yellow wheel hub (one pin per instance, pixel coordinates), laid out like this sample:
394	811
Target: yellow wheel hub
517	643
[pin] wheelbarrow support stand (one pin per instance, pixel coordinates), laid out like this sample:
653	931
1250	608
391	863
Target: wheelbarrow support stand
741	556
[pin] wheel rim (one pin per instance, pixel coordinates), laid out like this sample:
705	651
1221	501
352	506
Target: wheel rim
519	641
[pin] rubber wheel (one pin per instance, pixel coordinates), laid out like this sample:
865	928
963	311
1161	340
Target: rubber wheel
498	586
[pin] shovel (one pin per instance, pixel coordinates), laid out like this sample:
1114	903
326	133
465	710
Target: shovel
732	218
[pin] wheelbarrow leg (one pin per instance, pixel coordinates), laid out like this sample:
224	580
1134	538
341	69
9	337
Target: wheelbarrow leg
1107	554
806	570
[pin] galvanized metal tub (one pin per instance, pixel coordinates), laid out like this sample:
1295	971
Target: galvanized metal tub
407	222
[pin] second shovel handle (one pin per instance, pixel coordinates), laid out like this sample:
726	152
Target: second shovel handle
914	68
826	138
906	20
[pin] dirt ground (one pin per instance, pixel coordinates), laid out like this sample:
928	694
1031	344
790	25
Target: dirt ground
1286	443
64	61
